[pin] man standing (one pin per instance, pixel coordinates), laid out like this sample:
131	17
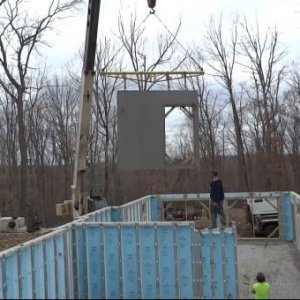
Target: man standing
216	200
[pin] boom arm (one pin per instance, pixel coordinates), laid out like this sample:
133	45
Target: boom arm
79	196
79	187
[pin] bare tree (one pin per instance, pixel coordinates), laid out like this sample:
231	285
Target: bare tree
116	187
9	153
105	100
267	70
264	55
20	37
223	61
35	120
182	146
210	113
143	56
62	99
292	116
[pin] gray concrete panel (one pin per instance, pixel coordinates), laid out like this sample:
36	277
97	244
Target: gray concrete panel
141	126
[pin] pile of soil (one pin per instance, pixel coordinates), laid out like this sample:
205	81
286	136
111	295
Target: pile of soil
8	240
239	216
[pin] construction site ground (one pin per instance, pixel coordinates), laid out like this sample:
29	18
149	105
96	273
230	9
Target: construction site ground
8	240
278	260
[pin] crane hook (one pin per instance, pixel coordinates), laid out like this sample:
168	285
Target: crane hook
151	3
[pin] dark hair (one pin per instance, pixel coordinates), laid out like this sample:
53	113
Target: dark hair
260	277
214	173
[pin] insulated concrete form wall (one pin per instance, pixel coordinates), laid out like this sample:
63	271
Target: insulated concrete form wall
41	269
65	263
298	230
150	209
122	260
141	126
137	211
154	261
107	214
295	199
287	215
146	209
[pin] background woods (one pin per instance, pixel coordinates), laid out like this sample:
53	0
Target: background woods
249	105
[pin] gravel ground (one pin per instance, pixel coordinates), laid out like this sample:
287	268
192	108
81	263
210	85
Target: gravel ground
278	260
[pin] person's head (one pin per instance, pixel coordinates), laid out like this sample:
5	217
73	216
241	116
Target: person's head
214	174
260	277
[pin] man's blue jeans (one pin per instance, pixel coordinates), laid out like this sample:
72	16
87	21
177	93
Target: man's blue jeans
216	208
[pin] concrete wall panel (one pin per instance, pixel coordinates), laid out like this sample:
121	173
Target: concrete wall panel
141	126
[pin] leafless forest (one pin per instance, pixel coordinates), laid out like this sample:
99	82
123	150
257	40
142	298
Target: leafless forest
249	111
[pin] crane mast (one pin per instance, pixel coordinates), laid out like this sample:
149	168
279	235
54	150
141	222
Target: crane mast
79	195
79	187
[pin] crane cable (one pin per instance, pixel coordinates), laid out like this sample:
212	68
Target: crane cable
153	12
169	31
117	52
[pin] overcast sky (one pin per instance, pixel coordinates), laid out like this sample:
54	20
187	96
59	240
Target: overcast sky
69	35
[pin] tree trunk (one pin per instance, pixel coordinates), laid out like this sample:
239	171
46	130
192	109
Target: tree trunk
24	202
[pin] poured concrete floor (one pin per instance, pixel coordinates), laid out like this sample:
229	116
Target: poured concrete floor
279	261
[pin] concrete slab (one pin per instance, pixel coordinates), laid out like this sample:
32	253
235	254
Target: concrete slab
278	260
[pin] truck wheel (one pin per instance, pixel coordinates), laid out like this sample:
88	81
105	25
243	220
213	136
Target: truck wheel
269	229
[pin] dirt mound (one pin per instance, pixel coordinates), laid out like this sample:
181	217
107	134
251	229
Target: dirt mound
8	240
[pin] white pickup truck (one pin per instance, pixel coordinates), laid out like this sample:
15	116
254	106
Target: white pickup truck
263	213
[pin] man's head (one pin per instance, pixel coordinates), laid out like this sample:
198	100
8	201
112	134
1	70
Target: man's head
214	174
260	277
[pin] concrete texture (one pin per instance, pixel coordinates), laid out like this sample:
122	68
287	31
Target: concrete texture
279	261
141	126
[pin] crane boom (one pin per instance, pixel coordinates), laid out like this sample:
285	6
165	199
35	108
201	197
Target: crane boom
79	186
80	205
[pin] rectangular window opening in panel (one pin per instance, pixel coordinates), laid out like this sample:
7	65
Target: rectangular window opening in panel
179	136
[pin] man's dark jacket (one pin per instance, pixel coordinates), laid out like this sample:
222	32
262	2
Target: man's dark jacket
216	191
